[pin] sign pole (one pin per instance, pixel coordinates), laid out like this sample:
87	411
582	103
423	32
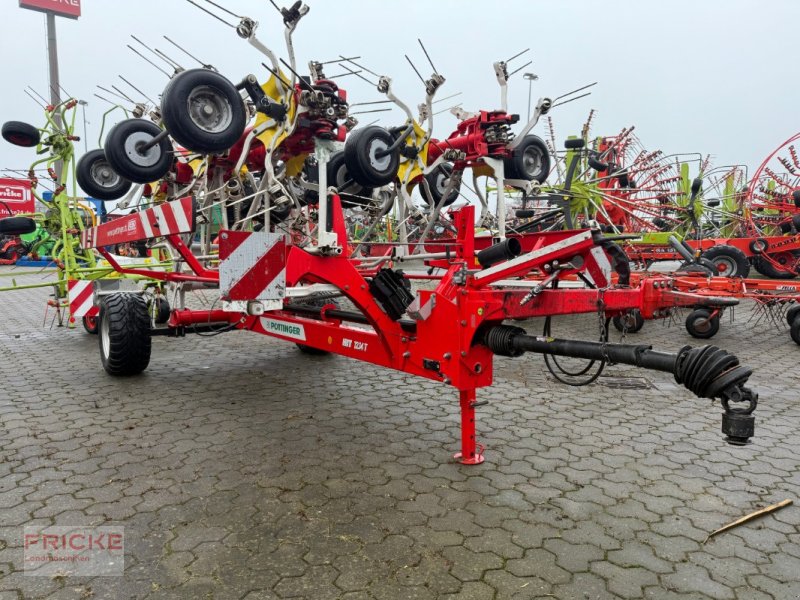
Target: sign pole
55	88
70	9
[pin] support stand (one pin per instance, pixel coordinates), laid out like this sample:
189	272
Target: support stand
471	452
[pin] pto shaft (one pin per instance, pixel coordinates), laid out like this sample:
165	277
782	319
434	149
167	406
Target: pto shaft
708	371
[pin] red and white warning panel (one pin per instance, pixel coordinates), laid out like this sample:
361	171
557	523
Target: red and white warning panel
252	269
170	218
81	299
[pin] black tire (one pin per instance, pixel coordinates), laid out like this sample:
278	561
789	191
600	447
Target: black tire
222	120
360	157
597	165
702	265
796	198
162	311
98	179
796	222
767	269
124	338
437	181
530	161
20	134
351	193
786	227
728	260
792	314
17	226
574	143
630	322
794	331
700	325
123	154
90	325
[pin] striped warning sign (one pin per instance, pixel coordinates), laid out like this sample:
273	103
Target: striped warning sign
252	267
170	218
81	299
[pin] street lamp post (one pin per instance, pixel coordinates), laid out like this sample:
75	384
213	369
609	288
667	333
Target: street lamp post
531	77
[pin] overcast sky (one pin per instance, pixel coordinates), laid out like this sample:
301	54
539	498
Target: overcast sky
709	76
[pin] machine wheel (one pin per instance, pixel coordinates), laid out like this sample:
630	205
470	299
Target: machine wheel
758	246
630	322
767	269
729	261
98	179
794	331
437	182
125	342
17	226
350	192
360	155
20	134
203	111
701	325
90	324
161	311
793	314
597	165
530	161
124	154
702	265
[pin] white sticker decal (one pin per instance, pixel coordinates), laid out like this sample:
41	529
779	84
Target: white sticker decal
284	328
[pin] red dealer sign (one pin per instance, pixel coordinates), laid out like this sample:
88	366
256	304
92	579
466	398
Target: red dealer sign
64	8
16	195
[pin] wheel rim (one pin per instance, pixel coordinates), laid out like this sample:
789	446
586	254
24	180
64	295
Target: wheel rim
103	175
105	337
441	183
21	140
725	265
532	161
702	324
785	260
382	163
209	109
139	157
345	183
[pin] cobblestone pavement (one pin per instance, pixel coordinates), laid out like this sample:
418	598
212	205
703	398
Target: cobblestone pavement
243	469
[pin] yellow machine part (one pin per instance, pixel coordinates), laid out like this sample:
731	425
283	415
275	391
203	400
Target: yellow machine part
409	170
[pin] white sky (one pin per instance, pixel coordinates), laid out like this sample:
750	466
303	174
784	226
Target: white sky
709	76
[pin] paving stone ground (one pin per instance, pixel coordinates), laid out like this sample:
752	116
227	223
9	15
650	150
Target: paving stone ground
243	469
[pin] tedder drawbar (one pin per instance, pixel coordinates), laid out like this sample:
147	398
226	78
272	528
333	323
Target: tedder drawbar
449	333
